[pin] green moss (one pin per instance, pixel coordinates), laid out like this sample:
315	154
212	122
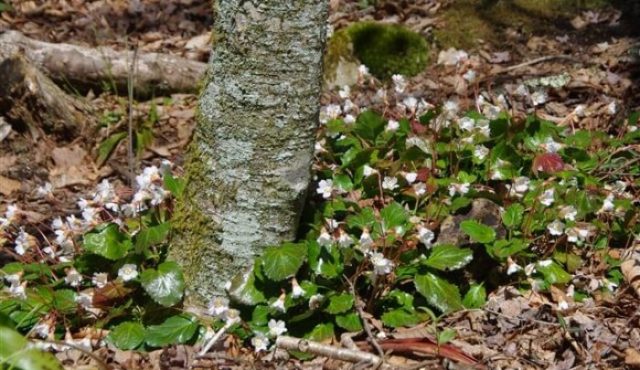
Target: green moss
466	22
388	49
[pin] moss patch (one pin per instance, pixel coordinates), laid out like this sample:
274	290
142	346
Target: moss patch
385	49
467	21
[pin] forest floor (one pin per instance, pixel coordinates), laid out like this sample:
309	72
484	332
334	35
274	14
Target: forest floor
514	330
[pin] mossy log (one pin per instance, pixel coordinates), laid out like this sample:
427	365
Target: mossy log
32	102
86	68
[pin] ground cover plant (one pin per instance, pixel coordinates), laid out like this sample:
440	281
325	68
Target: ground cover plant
387	181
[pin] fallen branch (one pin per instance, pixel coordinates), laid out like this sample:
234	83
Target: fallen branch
343	354
31	101
93	68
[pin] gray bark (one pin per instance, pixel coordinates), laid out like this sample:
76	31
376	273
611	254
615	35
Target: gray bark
249	164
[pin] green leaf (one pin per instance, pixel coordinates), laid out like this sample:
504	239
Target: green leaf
449	257
109	242
151	236
175	330
321	332
64	300
173	184
243	289
369	125
400	317
128	335
445	336
339	303
366	218
343	182
501	249
15	353
476	297
554	273
108	145
459	202
512	216
165	285
438	292
478	232
144	139
349	322
393	215
404	299
283	261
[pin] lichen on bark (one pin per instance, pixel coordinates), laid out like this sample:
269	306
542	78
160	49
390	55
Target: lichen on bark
249	163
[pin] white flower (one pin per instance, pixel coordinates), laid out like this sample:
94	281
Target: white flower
556	228
426	236
363	71
344	92
551	146
470	75
483	127
348	106
324	239
365	239
315	301
480	152
100	279
461	189
420	189
368	171
450	108
42	329
410	177
349	119
45	190
325	187
513	267
521	184
231	316
563	305
73	277
276	328
218	306
530	269
547	197
85	299
128	271
545	263
12	279
260	342
410	104
389	183
612	108
24	241
278	304
329	112
319	147
344	240
466	123
18	291
607	205
392	126
568	213
539	97
296	290
399	83
381	265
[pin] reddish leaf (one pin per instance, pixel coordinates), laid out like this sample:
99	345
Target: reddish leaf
110	294
417	127
548	163
423	174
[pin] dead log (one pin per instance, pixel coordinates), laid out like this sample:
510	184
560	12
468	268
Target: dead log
94	68
32	102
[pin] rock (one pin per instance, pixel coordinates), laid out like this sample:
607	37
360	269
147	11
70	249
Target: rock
482	210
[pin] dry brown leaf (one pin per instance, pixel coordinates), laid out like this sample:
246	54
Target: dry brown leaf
632	357
7	185
66	157
631	267
7	161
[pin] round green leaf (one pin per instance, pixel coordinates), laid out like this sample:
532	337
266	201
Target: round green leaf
109	242
449	257
512	216
438	292
175	330
475	297
400	317
393	215
283	261
478	232
165	285
128	335
349	322
16	354
339	303
64	300
554	273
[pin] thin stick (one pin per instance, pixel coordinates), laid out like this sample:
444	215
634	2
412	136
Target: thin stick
217	336
131	151
343	354
367	329
536	61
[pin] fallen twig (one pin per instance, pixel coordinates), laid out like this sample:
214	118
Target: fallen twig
367	328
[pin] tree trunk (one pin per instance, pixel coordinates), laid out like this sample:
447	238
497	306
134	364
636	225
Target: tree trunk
249	164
